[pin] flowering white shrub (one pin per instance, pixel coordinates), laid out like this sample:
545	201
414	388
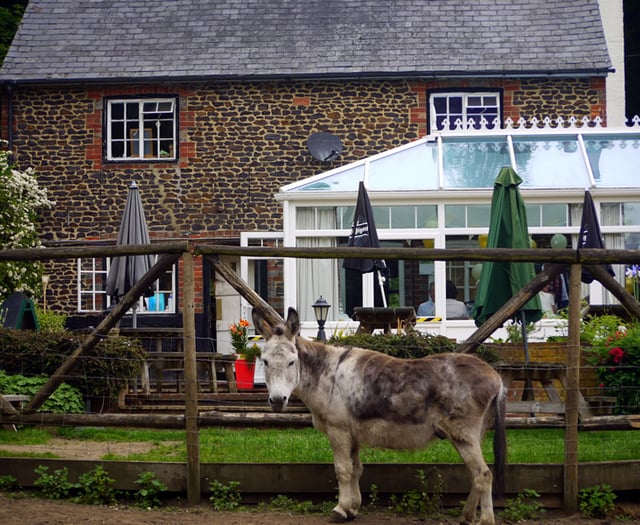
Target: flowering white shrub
20	201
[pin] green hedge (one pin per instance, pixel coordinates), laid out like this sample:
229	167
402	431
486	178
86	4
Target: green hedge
405	346
101	372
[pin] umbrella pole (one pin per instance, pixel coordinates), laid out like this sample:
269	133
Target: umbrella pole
528	386
381	283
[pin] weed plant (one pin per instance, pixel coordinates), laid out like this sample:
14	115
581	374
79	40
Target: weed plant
596	502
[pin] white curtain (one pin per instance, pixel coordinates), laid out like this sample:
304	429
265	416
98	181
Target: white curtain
317	277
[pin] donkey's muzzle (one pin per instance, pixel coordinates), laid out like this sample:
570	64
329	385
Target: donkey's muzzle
278	403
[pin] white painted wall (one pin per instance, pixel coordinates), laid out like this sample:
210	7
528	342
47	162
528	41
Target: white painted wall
613	23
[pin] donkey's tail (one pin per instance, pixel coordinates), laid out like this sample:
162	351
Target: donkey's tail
499	443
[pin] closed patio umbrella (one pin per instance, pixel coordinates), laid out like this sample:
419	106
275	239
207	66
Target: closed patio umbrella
125	271
365	235
590	235
508	228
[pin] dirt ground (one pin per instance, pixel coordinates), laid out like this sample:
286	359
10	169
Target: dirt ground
17	510
23	508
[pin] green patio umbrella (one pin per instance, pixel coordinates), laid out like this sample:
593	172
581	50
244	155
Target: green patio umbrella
499	281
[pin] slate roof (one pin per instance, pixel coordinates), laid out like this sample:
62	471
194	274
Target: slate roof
71	40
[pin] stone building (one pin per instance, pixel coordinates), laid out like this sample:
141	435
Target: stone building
209	109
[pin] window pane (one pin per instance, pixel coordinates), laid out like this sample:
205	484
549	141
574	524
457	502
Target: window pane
613	161
533	214
478	215
490	101
473	163
132	110
551	163
117	111
403	217
474	101
343	181
455	105
427	216
381	216
440	105
412	168
631	213
454	216
554	214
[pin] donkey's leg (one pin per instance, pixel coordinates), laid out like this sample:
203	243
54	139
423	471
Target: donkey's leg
356	497
481	480
347	474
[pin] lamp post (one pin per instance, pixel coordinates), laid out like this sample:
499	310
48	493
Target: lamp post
45	283
321	310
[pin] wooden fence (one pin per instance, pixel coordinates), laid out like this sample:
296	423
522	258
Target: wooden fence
172	251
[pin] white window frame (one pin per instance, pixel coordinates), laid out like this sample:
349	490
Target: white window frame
468	104
148	132
99	296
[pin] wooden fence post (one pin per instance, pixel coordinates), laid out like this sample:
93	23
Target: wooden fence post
572	386
191	382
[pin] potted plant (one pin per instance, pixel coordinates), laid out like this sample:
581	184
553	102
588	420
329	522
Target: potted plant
245	355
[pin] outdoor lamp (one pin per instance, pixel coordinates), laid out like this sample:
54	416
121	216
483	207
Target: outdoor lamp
321	310
45	283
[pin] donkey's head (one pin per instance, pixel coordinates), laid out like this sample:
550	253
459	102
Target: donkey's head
280	357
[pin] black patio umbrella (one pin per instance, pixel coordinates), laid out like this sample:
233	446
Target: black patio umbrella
125	271
590	236
365	235
500	281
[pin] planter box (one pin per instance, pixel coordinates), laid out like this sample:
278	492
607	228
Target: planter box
601	405
543	352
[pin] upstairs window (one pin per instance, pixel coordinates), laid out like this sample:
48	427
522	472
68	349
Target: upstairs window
142	129
463	107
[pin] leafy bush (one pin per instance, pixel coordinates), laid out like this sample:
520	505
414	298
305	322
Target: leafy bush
103	371
225	497
56	485
147	496
406	346
95	487
50	321
524	507
618	360
596	330
65	400
596	502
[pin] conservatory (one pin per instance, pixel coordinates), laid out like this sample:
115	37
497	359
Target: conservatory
436	193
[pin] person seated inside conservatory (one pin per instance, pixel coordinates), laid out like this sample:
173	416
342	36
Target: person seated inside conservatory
455	309
548	301
428	308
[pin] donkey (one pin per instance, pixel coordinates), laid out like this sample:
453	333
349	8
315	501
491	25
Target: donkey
362	397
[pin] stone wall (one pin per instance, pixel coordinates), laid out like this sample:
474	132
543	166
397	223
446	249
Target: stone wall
239	143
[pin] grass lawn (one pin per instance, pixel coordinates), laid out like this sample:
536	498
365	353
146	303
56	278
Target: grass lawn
225	445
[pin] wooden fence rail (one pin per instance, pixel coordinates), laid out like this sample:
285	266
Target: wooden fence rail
171	251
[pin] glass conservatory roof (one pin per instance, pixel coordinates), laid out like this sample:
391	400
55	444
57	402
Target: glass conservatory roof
544	159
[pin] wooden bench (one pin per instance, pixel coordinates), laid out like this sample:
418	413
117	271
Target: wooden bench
374	318
548	375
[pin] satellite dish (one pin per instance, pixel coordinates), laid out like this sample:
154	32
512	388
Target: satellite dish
324	147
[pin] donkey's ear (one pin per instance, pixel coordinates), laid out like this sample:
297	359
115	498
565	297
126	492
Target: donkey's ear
261	326
293	322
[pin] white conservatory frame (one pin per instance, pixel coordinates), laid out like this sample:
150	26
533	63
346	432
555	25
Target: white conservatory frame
397	178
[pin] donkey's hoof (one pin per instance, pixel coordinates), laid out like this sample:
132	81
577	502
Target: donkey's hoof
338	517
